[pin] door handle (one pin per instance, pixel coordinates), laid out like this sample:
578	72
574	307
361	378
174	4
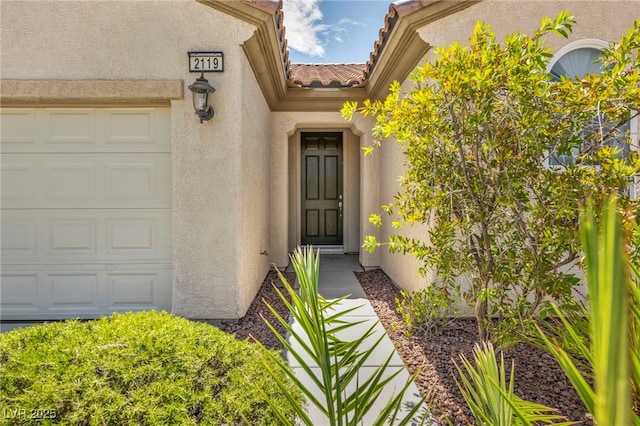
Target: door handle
340	208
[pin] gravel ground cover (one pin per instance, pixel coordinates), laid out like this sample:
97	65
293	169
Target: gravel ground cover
252	324
538	378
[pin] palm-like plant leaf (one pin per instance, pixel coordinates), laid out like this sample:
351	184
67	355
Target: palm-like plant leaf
483	385
316	345
613	322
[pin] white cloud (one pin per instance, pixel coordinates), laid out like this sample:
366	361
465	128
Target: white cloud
302	22
347	21
341	31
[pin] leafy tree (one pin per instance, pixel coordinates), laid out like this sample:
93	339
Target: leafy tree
478	128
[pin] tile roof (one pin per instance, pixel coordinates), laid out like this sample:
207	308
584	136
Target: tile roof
396	10
265	5
390	20
326	75
335	75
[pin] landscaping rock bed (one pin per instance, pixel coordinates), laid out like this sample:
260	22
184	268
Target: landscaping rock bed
538	378
252	325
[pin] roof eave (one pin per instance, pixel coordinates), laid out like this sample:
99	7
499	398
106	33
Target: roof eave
404	48
308	99
263	49
268	68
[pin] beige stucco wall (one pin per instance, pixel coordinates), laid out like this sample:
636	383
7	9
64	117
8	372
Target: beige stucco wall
403	269
254	186
604	20
220	212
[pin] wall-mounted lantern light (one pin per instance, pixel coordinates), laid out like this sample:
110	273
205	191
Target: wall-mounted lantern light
201	90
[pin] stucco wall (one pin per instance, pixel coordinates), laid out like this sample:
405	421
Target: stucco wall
352	216
606	20
254	191
220	212
403	269
595	19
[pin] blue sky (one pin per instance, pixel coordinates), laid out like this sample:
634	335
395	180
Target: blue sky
332	31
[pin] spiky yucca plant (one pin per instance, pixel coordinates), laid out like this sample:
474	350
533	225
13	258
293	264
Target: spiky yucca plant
336	390
612	349
490	397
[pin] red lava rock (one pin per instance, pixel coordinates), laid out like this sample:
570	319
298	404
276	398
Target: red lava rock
252	325
538	377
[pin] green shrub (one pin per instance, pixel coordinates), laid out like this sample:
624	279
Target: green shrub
607	347
477	125
425	311
607	344
143	368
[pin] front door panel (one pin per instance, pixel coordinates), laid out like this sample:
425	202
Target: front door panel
322	200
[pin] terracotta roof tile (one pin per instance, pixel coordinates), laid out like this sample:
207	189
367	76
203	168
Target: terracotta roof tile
390	20
327	75
396	10
407	7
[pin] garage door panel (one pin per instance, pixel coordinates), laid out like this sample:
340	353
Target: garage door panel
99	130
84	291
19	181
67	181
70	127
18	129
18	235
46	236
129	234
73	290
86	181
133	290
129	126
86	212
138	181
19	292
72	237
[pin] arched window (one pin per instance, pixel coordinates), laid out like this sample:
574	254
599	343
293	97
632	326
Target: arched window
575	61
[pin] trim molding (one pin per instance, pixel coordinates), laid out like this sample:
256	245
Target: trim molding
263	49
405	48
594	43
52	92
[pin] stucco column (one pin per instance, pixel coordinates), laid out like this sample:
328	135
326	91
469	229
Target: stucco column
282	128
206	212
369	188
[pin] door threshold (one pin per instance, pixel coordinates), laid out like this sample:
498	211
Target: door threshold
329	249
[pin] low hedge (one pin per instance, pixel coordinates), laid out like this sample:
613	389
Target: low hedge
136	368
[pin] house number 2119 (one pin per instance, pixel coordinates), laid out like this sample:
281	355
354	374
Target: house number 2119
206	62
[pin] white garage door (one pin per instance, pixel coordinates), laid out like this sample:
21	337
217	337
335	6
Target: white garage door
86	211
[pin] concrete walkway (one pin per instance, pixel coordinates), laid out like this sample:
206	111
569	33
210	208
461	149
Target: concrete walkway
336	280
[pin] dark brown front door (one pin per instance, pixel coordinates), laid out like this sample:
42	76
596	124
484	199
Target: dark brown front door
322	200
